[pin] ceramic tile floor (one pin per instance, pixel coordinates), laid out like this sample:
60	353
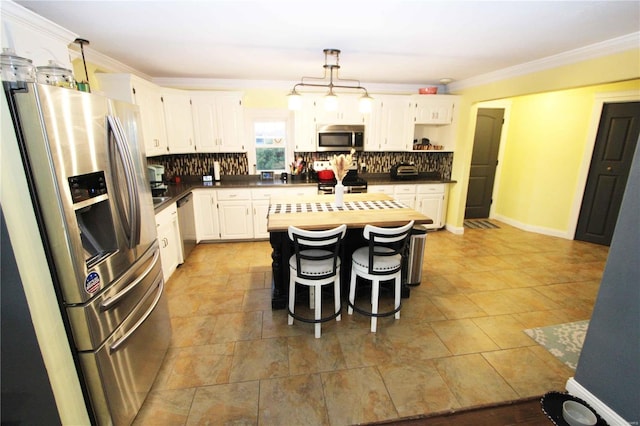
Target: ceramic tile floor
459	341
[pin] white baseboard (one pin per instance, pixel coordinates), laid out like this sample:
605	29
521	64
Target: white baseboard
455	229
531	228
610	416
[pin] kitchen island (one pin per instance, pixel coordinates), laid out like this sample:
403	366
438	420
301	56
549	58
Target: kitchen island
320	212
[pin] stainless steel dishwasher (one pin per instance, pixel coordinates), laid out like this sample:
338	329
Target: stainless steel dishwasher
186	219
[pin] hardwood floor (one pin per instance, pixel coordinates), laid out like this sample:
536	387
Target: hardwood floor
522	413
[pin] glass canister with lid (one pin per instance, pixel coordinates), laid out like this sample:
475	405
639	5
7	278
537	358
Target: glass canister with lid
55	75
15	68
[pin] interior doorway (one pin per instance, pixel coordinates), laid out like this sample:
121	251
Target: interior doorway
484	162
615	143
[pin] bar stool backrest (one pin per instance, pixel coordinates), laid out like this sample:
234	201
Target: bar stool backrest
316	246
386	242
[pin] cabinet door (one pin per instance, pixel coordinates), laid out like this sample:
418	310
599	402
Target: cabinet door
206	215
431	206
395	124
149	99
204	123
406	194
235	219
260	211
348	111
217	121
431	200
229	122
430	110
179	121
169	240
305	126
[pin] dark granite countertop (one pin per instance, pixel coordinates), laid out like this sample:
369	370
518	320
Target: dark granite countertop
175	191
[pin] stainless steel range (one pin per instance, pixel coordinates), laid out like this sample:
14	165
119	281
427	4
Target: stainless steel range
353	183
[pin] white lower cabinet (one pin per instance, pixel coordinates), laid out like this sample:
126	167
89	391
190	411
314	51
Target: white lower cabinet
205	206
235	214
406	194
431	200
260	200
169	240
260	204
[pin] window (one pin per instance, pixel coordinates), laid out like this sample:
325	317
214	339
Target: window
271	142
270	133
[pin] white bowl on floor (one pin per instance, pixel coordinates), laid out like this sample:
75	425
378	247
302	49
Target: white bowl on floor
577	414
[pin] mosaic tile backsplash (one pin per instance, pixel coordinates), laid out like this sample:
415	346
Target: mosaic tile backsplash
238	164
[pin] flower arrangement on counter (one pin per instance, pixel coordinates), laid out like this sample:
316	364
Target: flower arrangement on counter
340	164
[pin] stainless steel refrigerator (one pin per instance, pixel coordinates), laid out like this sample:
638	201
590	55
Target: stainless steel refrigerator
85	164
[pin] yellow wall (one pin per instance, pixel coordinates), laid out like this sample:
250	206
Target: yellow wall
543	154
545	145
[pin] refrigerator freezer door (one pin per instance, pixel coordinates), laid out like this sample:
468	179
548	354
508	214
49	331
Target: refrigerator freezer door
120	373
96	320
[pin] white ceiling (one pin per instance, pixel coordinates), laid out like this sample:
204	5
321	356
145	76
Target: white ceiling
387	42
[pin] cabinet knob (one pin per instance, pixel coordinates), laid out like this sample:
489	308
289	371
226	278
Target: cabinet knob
609	169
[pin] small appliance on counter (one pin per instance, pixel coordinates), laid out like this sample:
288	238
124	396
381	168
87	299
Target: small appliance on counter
156	179
327	181
404	171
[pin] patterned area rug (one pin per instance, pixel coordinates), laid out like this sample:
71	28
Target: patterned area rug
564	341
479	224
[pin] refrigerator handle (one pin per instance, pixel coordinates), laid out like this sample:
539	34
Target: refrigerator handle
122	150
108	303
139	323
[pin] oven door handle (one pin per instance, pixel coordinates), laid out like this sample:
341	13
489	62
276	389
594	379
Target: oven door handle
138	324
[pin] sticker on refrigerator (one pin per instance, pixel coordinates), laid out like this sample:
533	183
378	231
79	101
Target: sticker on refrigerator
92	283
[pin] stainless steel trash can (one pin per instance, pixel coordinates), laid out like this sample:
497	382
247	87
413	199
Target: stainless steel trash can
416	254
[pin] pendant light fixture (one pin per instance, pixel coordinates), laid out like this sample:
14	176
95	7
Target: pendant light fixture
330	99
84	85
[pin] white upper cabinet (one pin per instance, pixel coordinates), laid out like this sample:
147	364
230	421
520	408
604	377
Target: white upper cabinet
435	121
391	128
305	126
348	111
218	121
148	97
433	109
179	121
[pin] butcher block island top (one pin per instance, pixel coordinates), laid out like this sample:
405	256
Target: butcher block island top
320	212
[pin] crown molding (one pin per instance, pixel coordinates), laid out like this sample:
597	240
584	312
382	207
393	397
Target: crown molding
13	12
104	62
235	84
593	51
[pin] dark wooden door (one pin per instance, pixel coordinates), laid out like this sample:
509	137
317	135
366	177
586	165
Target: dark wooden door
484	161
615	144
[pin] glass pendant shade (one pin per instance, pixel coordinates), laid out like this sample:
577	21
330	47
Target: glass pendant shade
330	101
294	100
365	104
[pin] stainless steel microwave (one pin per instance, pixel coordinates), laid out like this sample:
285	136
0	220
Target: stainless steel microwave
339	137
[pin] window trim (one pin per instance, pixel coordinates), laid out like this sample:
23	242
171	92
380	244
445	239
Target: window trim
253	116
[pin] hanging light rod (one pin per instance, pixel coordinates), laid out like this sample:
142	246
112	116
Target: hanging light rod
331	100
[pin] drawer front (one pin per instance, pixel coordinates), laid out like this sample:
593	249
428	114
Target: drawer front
263	194
405	189
380	189
436	188
166	215
297	192
234	194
